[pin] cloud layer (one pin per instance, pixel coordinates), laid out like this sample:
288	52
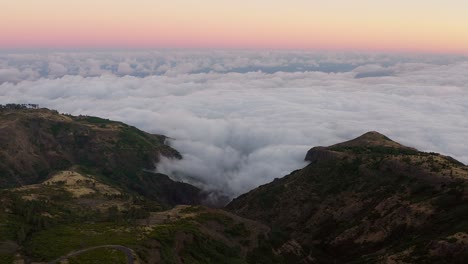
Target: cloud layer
242	119
16	67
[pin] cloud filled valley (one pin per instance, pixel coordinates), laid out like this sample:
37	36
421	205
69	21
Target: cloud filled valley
240	119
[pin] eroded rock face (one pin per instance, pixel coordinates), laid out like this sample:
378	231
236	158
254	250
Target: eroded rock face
366	199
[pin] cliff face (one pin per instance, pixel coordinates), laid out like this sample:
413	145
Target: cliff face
368	199
37	142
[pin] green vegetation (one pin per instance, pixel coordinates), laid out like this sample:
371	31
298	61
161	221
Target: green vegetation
191	209
217	217
200	249
131	137
19	106
237	230
96	120
165	234
277	236
6	258
206	250
53	224
52	243
100	256
263	254
56	128
376	150
9	226
269	196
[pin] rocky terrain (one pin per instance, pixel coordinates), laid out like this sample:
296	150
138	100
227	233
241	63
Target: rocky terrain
81	189
367	200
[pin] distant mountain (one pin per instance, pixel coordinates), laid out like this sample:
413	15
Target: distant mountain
368	200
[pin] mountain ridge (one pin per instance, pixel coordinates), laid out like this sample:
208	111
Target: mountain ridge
362	199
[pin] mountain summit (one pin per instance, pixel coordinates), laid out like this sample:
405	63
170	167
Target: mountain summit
369	200
371	139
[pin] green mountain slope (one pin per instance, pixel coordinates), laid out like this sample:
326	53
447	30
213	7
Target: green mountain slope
42	223
35	143
367	200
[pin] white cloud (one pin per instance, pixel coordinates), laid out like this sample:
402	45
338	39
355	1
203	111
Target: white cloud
124	68
10	75
145	63
57	70
237	130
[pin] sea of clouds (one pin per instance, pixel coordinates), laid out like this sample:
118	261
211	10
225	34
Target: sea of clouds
243	118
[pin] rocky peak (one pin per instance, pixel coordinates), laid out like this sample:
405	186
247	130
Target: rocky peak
367	200
370	139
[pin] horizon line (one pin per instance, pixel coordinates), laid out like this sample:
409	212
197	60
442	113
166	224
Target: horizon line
238	49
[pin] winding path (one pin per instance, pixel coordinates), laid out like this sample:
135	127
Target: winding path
127	251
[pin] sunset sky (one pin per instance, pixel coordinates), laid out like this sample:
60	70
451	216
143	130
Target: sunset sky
363	25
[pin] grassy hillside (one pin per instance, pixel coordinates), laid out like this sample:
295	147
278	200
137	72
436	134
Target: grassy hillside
43	229
38	142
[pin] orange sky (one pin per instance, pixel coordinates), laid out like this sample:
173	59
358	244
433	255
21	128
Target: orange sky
378	25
